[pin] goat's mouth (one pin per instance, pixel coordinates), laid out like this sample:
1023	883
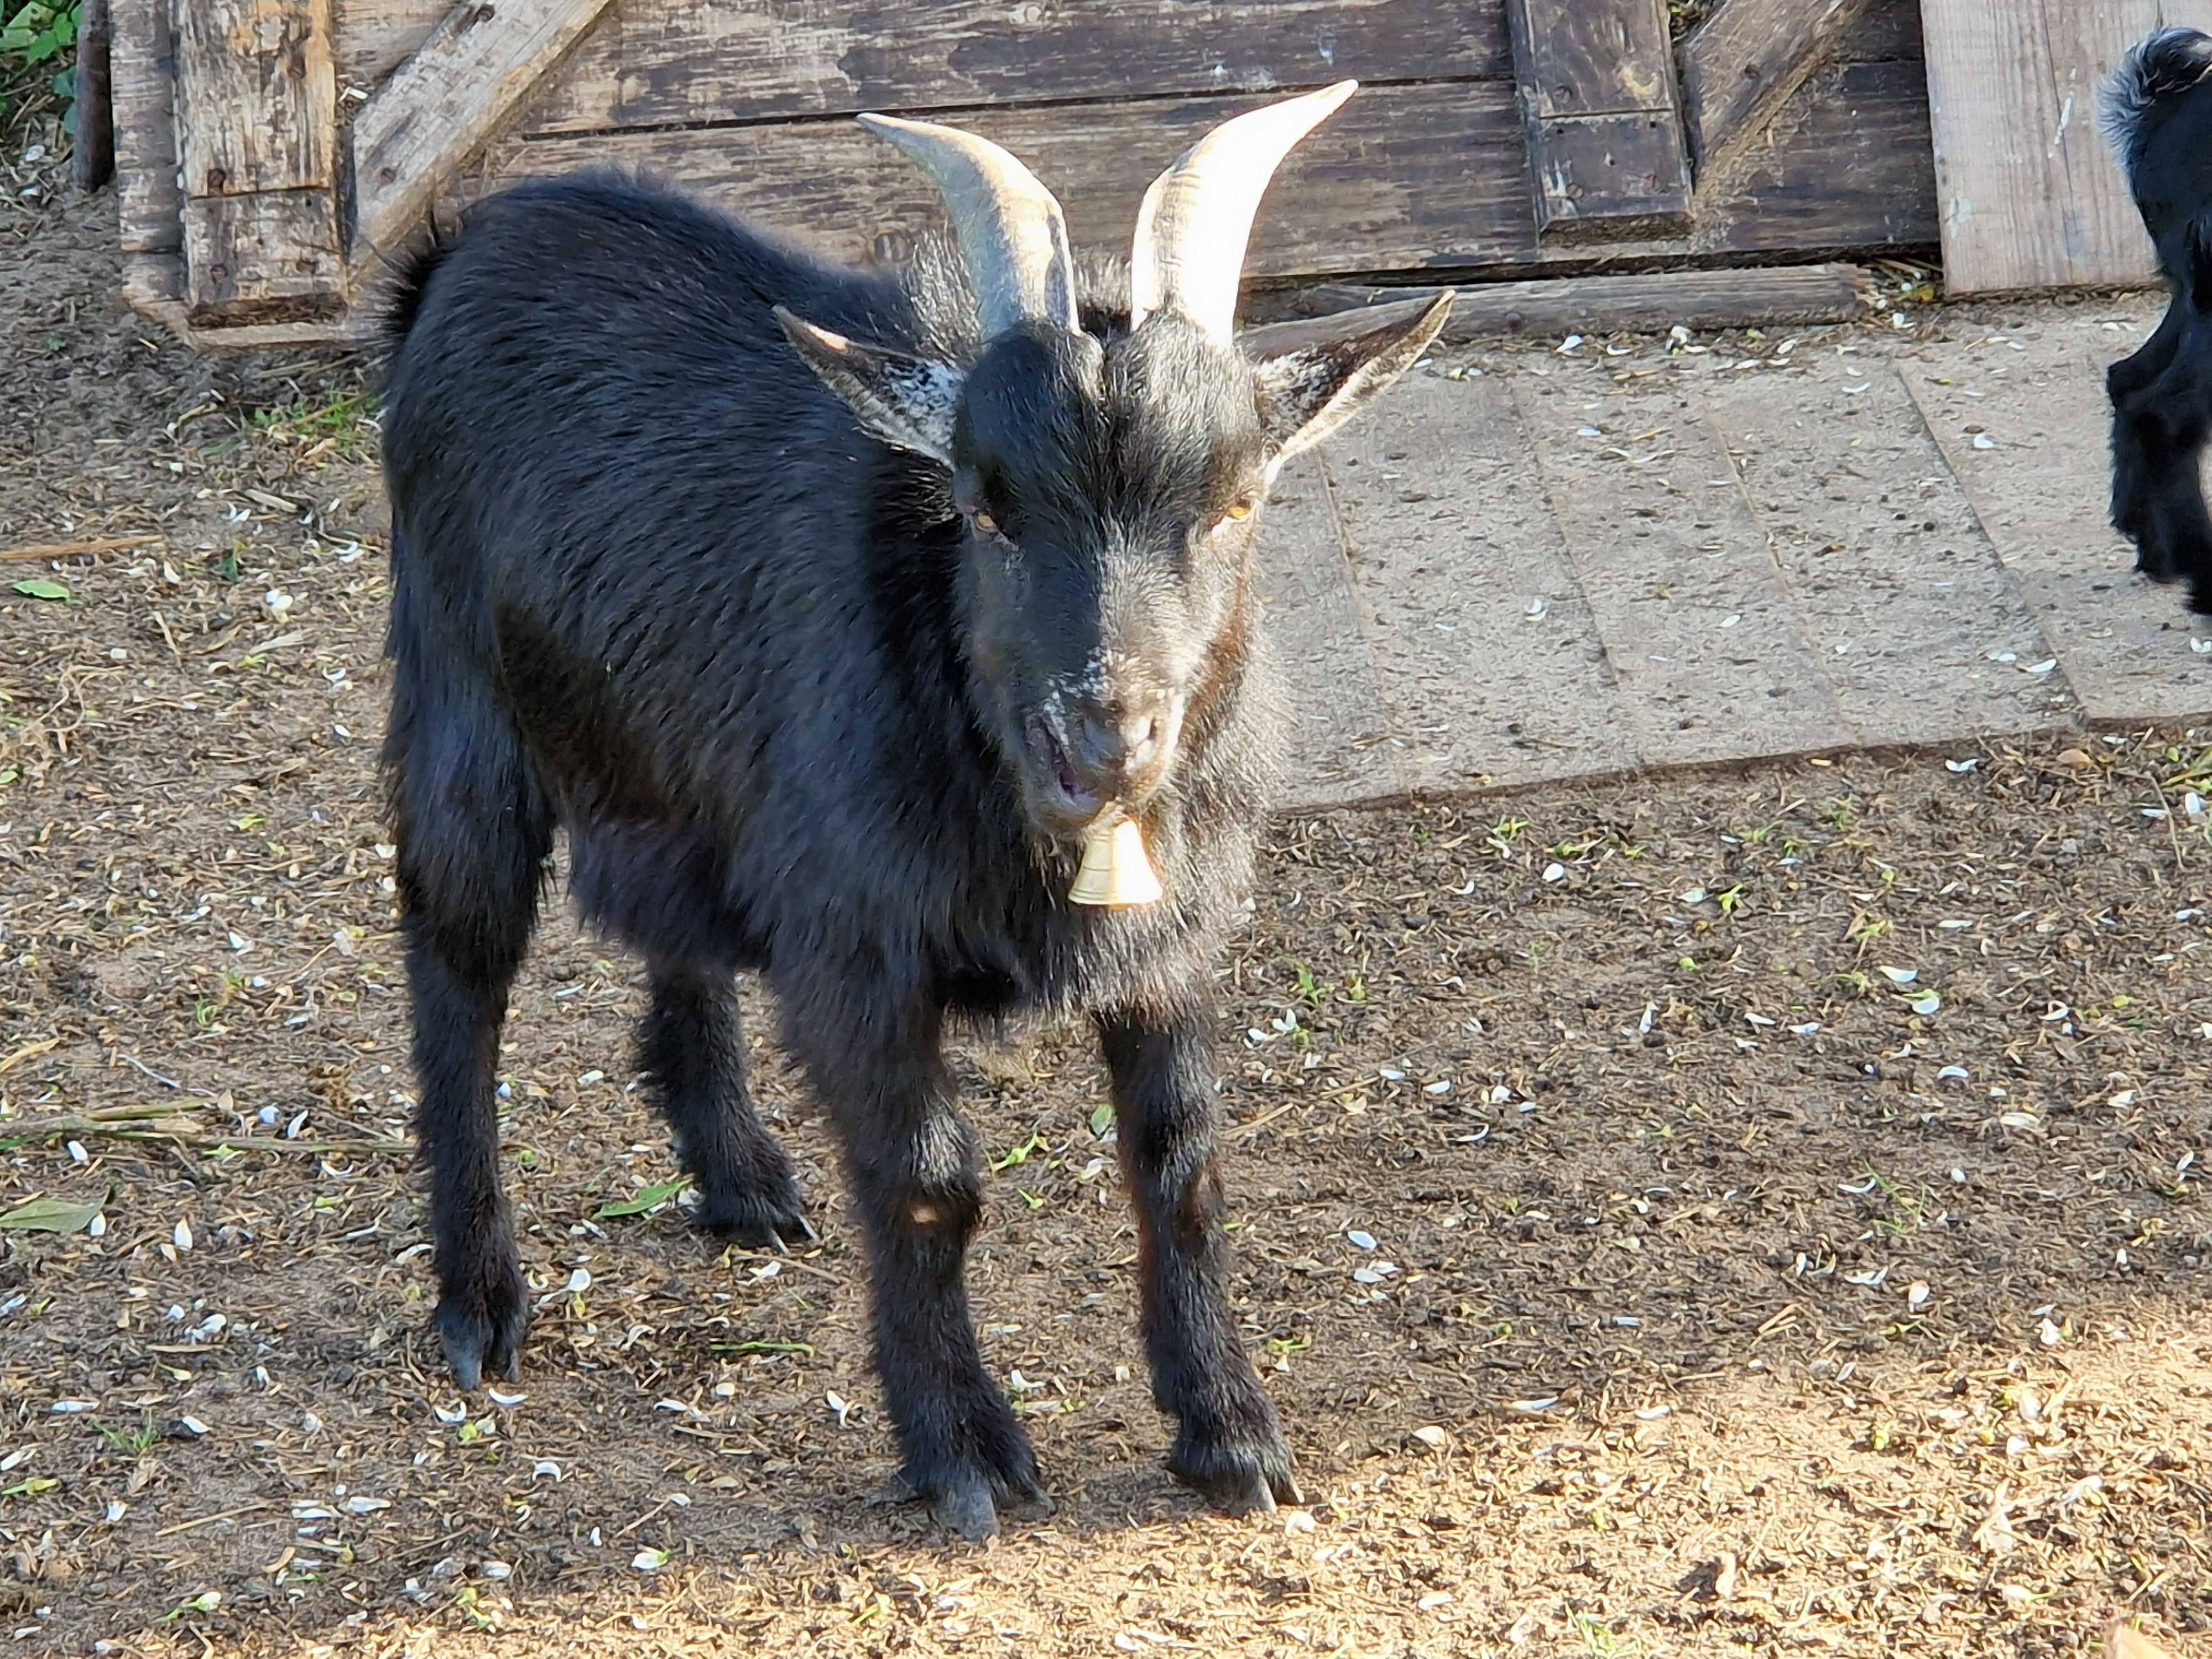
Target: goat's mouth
1067	798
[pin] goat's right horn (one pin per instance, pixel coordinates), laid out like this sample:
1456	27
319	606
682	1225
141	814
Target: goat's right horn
1197	216
1013	234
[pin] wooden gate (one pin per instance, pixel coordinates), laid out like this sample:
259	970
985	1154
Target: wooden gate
273	154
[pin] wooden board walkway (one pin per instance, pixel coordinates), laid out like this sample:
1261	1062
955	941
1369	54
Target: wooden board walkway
1577	564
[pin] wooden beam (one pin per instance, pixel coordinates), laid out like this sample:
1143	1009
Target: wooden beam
256	109
1740	66
92	112
437	109
1596	85
259	102
271	256
2029	196
142	78
681	62
1588	305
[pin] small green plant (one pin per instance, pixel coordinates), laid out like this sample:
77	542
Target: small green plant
343	424
38	45
129	1441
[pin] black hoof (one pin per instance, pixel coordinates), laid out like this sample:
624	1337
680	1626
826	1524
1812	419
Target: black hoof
1243	1469
759	1221
480	1327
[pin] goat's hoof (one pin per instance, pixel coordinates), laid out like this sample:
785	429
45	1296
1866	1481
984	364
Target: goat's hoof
480	1329
1244	1471
966	1508
758	1221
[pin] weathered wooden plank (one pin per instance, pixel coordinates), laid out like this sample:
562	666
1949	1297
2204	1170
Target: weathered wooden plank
1596	85
375	37
153	279
1490	657
670	63
143	62
434	112
272	257
1341	747
1403	178
2028	193
1401	175
1845	166
1740	66
1653	301
1889	30
1926	635
257	96
1702	633
92	112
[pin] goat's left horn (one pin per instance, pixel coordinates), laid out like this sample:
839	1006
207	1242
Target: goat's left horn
1013	234
1197	216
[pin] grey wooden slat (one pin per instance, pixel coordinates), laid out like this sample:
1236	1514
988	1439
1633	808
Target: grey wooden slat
1925	634
1701	630
1452	551
2029	194
669	62
1828	293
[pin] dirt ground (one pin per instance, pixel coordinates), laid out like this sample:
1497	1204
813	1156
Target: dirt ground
1759	1213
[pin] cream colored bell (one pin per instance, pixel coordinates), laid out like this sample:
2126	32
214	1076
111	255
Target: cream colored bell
1117	871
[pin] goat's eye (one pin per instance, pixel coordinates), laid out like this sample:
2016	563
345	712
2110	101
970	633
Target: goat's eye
984	522
1239	510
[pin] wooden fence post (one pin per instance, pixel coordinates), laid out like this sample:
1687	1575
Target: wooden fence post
256	120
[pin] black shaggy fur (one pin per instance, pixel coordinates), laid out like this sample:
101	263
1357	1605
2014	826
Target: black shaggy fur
2158	113
801	701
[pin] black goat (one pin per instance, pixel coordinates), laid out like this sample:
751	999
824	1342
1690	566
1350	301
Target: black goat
829	611
2158	113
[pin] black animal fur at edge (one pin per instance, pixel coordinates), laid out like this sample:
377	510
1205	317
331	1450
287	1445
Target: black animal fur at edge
2158	115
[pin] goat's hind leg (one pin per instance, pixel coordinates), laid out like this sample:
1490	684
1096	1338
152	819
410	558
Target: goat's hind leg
691	1045
473	829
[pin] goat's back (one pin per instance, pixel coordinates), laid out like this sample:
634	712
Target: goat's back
623	506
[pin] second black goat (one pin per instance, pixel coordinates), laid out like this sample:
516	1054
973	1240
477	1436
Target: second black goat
2158	113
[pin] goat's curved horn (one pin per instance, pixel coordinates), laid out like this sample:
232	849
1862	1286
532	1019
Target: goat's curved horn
1013	234
1197	216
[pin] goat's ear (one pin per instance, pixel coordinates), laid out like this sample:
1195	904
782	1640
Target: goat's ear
1314	377
907	402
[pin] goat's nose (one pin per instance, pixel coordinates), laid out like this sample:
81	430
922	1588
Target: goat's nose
1119	740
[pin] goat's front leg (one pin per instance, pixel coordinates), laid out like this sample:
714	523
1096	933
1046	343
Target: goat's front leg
912	1162
1230	1445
